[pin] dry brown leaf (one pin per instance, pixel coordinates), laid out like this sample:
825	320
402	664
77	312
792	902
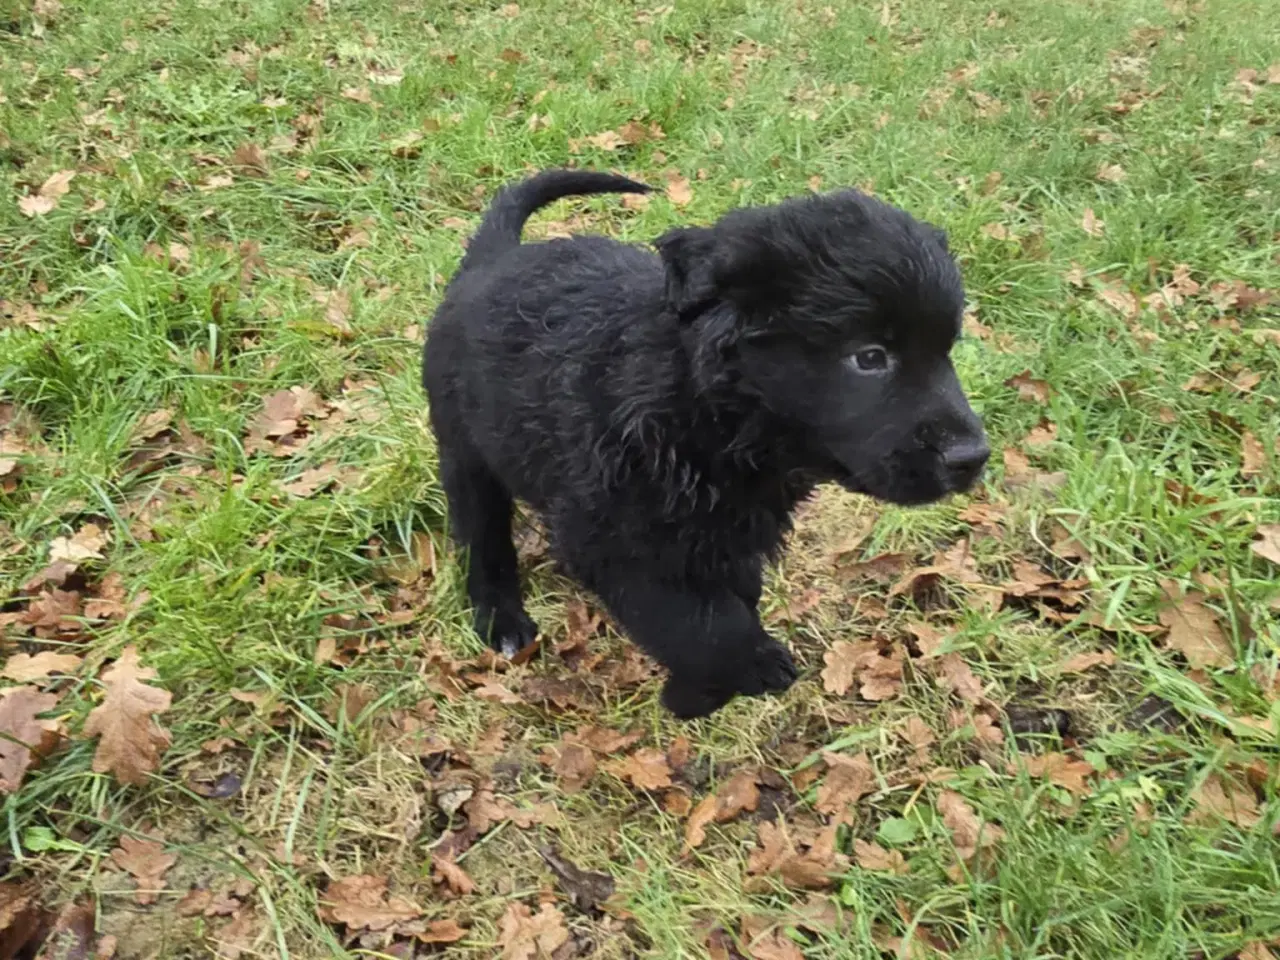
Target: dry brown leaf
24	668
361	902
24	738
1029	388
872	856
959	677
251	160
765	941
146	860
608	140
86	543
34	205
1060	769
843	661
1111	173
1121	300
495	692
737	794
647	769
1216	799
72	935
810	869
131	739
1194	630
441	931
1253	458
918	733
1042	434
603	741
929	639
358	94
1267	546
1246	380
525	935
444	870
573	763
678	190
310	482
987	729
968	831
848	780
1018	472
1091	224
151	426
1257	950
44	200
1087	661
237	937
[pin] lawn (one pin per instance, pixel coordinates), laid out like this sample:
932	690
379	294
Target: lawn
243	713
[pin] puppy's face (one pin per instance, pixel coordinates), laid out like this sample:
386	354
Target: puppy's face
838	314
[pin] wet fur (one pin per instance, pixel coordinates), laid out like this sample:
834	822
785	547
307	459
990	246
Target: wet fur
623	396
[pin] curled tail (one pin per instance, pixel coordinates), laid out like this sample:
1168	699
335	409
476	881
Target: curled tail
514	204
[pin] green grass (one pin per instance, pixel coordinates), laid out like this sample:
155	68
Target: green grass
239	582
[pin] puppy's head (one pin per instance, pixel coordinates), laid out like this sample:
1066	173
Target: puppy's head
837	314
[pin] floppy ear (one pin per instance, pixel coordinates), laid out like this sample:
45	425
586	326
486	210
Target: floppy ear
688	254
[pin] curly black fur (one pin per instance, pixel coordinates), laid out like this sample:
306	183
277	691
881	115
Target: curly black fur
666	413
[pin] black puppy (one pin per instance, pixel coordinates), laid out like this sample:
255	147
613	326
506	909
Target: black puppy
666	413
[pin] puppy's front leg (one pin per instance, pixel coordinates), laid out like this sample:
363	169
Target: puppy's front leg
706	636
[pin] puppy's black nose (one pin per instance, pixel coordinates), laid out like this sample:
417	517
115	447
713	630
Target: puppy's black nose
964	462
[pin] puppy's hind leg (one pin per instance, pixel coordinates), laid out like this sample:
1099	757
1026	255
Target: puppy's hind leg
480	515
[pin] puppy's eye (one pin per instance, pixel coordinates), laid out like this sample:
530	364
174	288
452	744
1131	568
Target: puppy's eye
871	359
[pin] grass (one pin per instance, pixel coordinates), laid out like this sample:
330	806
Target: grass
383	128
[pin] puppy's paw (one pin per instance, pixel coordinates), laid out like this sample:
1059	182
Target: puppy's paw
769	669
507	631
689	699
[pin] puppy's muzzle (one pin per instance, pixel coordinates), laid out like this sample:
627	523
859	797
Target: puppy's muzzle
963	463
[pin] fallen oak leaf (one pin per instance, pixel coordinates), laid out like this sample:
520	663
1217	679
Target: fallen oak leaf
525	935
678	190
959	677
646	769
58	184
1194	630
1087	661
146	861
1060	769
1253	456
441	931
737	794
46	198
573	764
872	856
765	940
85	544
445	871
968	831
1030	388
24	667
131	739
24	738
1268	544
1219	799
812	869
603	741
848	780
362	903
